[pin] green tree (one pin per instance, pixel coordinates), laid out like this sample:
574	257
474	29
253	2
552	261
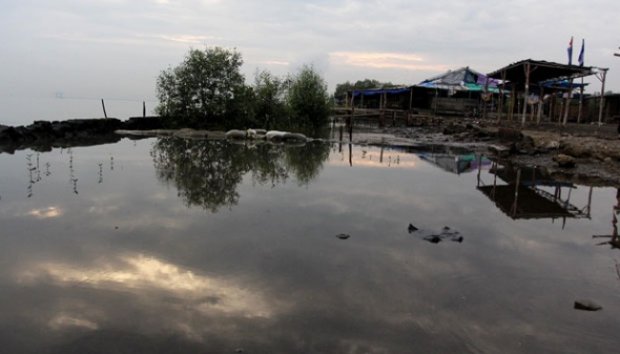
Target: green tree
271	107
308	99
202	89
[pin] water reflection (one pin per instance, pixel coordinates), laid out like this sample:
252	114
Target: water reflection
208	173
529	193
614	242
125	266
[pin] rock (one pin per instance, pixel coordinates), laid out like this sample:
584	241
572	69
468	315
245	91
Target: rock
412	228
509	135
587	305
343	236
552	145
564	161
274	135
142	123
452	128
500	151
295	137
236	134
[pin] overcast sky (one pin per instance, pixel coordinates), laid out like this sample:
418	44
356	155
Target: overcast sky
116	48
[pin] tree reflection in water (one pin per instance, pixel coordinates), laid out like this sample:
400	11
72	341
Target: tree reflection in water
207	173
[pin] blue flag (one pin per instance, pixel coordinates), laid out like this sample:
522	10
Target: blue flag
581	58
570	51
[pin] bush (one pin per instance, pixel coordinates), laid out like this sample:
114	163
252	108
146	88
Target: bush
271	109
308	99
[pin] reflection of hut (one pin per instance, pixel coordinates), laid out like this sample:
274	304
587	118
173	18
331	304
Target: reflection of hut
523	198
458	164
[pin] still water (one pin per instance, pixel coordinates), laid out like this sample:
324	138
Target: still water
175	246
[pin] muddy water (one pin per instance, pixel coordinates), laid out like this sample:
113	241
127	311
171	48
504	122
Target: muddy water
164	246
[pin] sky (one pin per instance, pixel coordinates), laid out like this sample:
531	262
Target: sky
117	48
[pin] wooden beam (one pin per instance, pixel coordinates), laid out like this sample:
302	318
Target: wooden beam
526	92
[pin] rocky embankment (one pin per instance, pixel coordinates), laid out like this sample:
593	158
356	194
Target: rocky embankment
579	155
44	135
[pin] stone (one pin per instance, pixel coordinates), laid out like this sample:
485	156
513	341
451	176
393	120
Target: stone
509	134
412	228
564	161
236	134
552	145
498	150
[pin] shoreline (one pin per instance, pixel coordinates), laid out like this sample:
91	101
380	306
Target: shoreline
594	151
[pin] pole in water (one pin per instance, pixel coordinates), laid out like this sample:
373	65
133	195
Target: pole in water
103	105
143	109
351	130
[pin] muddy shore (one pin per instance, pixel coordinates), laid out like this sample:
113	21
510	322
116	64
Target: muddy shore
584	154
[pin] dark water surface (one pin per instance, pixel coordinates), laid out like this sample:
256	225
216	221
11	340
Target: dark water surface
173	246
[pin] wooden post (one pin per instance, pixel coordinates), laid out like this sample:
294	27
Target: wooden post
526	93
484	102
551	106
540	104
341	131
143	109
410	99
513	99
602	102
351	130
580	102
351	155
568	99
500	106
104	112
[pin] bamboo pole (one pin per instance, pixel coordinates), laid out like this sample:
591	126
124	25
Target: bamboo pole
104	112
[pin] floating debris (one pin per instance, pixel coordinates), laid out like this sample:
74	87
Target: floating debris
343	236
587	305
446	233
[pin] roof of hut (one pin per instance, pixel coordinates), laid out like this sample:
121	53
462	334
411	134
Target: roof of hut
463	79
540	71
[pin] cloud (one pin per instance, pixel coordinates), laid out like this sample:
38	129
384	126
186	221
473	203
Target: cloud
46	213
381	60
143	273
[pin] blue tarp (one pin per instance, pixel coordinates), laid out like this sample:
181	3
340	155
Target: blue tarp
373	92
